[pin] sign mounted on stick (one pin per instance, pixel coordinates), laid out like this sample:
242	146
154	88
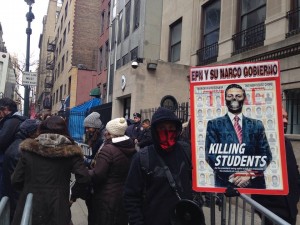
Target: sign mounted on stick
237	128
29	78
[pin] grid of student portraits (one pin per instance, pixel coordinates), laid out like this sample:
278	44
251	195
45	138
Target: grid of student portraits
260	104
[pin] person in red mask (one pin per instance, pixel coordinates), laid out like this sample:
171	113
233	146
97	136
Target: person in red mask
148	197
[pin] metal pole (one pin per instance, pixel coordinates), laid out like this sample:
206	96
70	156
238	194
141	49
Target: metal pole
29	17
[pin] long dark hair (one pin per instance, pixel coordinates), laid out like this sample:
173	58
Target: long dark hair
55	125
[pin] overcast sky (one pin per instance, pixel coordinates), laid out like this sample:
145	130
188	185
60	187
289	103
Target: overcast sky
14	24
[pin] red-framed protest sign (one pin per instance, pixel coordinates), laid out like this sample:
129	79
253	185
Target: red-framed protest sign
237	128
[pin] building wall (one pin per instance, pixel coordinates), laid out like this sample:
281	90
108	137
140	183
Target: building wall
146	88
173	10
86	80
48	35
86	33
103	38
81	23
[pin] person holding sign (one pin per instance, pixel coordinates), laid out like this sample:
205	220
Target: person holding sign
238	161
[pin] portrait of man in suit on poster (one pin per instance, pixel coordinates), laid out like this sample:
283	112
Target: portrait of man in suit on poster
240	161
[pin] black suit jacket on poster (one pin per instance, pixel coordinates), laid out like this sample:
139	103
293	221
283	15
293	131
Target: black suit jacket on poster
221	131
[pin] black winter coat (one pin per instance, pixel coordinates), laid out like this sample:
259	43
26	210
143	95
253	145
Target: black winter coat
285	206
108	176
11	158
9	126
44	169
148	196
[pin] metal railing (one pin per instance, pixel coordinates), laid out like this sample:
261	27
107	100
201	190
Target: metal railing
27	212
240	210
182	112
250	38
293	17
208	54
86	149
4	211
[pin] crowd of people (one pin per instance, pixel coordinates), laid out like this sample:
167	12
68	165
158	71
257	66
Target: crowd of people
139	171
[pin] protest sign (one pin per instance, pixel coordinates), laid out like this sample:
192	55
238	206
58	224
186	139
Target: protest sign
237	129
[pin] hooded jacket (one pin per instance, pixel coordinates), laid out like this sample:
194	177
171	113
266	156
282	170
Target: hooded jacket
108	176
9	126
148	196
44	170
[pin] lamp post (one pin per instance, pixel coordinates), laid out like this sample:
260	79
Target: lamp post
29	17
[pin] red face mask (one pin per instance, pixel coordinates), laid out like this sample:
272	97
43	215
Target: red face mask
167	138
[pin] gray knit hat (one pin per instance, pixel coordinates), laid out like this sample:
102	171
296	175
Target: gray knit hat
117	127
92	120
29	126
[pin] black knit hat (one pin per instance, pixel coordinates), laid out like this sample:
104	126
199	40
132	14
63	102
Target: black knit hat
163	114
29	126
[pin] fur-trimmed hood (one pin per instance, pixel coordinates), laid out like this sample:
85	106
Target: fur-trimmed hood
51	146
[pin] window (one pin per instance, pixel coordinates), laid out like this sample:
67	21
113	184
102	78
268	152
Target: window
175	45
62	63
53	100
253	13
65	90
126	59
66	10
64	37
252	28
134	53
120	27
58	70
127	19
56	100
67	56
60	92
211	25
292	106
113	35
61	23
102	22
106	54
136	16
294	18
55	74
119	64
100	59
111	78
108	15
69	86
59	47
69	25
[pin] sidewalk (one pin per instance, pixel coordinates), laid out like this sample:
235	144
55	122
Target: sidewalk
79	213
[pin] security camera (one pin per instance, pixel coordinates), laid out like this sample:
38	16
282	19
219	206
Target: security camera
134	64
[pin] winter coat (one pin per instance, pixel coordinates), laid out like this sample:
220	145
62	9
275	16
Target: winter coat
11	158
145	138
9	126
134	131
285	206
148	196
108	176
44	170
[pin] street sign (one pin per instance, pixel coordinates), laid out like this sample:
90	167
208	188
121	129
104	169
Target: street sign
29	78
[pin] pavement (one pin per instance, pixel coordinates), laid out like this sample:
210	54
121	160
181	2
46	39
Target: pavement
79	215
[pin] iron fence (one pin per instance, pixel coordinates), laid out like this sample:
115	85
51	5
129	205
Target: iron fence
240	210
27	212
4	211
182	112
293	17
208	54
249	38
